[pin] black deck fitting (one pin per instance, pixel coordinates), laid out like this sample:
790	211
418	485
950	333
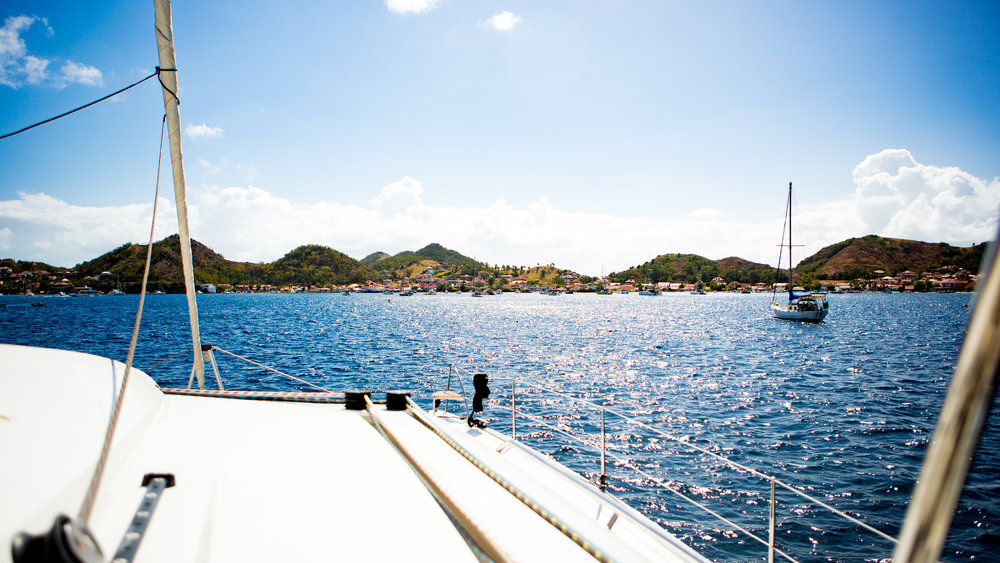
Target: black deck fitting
355	400
150	476
396	400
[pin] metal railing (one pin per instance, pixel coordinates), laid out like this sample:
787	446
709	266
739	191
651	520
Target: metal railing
599	442
208	356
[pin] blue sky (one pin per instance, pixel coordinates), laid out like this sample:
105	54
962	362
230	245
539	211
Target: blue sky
592	135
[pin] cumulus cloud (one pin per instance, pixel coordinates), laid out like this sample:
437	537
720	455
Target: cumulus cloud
252	224
894	196
6	238
707	213
16	65
398	197
203	131
81	74
504	21
411	6
64	234
897	196
19	67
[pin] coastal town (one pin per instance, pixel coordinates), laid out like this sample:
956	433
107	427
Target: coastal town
437	279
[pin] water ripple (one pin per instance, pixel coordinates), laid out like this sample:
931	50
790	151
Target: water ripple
844	409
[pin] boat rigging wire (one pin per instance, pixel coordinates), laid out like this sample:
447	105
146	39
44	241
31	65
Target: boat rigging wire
111	95
248	360
177	355
732	464
95	481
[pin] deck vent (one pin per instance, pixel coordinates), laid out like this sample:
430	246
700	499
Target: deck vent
396	400
355	400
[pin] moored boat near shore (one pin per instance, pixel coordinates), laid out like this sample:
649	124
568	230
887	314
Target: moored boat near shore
809	307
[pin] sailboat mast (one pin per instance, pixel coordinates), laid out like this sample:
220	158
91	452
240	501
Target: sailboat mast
790	284
168	77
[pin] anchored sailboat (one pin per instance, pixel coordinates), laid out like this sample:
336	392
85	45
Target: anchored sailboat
810	307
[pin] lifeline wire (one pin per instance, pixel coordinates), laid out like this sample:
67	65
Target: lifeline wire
95	481
157	73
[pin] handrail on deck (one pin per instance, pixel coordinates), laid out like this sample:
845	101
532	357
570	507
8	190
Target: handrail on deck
772	480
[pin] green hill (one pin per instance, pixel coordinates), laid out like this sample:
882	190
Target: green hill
845	260
860	257
313	264
691	268
432	254
128	260
306	265
323	266
375	257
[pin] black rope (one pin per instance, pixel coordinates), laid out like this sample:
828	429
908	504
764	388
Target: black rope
172	93
157	73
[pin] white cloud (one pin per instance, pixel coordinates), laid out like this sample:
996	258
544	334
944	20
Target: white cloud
504	21
16	65
81	74
209	168
6	238
34	69
707	213
63	234
895	196
398	197
411	6
203	131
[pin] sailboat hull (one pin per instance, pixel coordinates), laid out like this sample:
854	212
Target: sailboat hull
793	312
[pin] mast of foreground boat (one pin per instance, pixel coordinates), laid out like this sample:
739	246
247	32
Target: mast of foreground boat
168	77
958	430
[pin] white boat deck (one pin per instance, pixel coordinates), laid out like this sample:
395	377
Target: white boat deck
258	480
255	480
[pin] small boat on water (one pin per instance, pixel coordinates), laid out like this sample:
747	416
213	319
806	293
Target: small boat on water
88	291
809	307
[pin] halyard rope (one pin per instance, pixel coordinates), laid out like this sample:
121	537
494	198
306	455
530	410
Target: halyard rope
95	481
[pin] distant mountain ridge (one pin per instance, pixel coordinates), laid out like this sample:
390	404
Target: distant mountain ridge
859	257
692	268
432	254
305	265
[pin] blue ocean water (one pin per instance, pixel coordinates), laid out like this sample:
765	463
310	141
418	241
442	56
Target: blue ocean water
842	410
